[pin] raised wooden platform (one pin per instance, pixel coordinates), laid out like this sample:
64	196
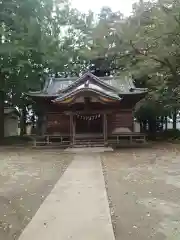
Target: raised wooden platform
132	137
89	139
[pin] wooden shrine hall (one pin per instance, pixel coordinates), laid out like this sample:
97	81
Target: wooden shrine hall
87	110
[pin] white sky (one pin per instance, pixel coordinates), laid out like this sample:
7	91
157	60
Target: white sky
124	6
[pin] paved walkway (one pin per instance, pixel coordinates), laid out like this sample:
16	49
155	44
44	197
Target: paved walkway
89	150
77	208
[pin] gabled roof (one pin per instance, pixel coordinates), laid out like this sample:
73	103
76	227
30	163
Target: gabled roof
70	94
59	87
93	79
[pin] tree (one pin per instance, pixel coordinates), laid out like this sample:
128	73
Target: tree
33	44
151	36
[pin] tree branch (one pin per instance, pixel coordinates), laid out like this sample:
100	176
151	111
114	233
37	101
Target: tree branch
173	71
144	53
167	11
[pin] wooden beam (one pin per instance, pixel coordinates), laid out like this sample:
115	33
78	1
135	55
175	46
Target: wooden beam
92	111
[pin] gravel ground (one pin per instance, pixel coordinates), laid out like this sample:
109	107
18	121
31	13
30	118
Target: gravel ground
26	178
143	187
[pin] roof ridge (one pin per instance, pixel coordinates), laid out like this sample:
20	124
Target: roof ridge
89	74
65	79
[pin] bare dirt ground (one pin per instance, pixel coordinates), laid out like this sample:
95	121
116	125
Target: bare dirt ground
26	178
143	186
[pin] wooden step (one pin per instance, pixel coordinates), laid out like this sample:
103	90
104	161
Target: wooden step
89	142
88	145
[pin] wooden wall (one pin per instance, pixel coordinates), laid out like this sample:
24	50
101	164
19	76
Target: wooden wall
58	123
120	119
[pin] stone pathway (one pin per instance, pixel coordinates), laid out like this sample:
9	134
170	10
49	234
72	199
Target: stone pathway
77	208
89	150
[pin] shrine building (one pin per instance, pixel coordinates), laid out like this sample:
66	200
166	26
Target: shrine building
88	109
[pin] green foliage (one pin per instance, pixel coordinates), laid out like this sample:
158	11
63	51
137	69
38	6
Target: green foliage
153	33
171	134
39	38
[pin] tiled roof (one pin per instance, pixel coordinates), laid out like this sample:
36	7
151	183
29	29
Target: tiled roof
91	88
55	86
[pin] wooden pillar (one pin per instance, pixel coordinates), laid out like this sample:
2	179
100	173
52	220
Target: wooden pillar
71	129
44	125
133	122
105	128
74	130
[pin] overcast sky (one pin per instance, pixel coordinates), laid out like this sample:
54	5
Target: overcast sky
125	6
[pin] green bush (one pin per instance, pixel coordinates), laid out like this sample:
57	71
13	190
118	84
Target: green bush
15	140
171	134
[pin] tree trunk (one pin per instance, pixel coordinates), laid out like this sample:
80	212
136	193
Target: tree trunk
162	124
152	126
33	128
23	121
143	126
1	115
166	123
174	116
